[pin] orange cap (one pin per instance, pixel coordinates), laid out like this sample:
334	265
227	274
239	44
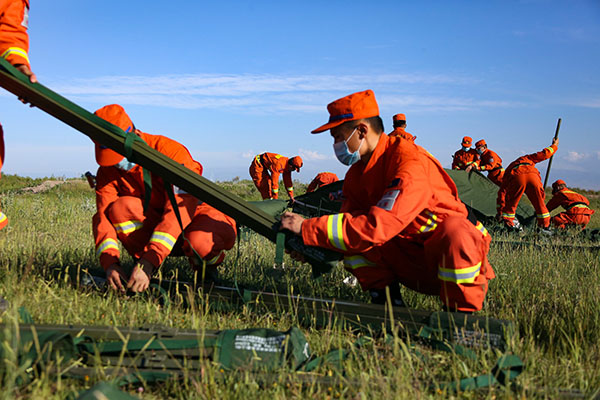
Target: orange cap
556	184
399	117
481	143
116	115
296	162
467	141
350	108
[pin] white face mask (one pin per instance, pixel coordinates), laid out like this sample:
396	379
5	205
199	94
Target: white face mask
342	152
125	165
466	148
480	150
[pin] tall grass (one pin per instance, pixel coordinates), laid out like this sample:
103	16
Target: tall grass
549	290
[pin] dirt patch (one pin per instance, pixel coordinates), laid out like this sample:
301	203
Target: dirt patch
42	187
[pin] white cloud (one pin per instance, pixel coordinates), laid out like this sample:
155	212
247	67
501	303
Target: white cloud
575	156
260	93
312	155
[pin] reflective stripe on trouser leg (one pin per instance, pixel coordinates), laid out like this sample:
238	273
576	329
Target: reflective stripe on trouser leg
460	251
163	238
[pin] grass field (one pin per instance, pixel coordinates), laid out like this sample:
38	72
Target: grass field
551	292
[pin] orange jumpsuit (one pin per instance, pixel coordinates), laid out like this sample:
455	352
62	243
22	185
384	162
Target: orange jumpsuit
322	179
265	170
577	210
402	133
491	162
156	233
402	220
521	176
462	159
14	45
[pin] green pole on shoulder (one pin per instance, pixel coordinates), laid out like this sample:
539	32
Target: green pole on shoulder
550	161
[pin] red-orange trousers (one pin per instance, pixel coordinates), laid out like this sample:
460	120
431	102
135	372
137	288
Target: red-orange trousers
3	217
564	219
496	176
210	232
261	178
452	264
513	187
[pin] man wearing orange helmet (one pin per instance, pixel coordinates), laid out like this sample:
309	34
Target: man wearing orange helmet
577	211
322	179
401	220
151	234
521	176
14	45
399	121
465	156
265	170
488	161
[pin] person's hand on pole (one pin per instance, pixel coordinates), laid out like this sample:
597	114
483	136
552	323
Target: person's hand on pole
292	222
24	68
114	276
140	276
555	141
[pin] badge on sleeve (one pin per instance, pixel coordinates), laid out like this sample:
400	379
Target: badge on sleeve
25	22
388	200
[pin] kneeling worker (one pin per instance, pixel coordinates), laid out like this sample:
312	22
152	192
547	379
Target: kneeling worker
150	235
401	220
577	211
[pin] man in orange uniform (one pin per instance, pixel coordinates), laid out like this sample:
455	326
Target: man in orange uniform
465	156
521	176
14	45
401	220
151	235
577	210
488	161
400	126
265	170
322	179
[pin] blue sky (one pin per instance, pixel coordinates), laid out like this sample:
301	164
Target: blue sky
231	79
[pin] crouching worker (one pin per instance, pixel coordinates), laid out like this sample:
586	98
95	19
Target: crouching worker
401	220
577	206
150	235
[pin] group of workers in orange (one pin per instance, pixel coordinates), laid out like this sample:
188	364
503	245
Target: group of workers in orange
522	177
401	221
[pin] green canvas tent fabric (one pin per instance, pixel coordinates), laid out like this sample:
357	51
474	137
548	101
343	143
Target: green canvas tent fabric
474	189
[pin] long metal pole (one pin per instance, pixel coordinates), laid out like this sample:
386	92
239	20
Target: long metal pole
550	161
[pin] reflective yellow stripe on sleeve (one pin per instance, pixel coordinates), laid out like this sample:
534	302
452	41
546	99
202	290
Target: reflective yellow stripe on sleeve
355	262
335	231
431	223
459	275
481	228
550	149
105	245
163	238
16	51
128	226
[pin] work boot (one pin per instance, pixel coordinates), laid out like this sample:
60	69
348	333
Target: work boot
378	296
547	231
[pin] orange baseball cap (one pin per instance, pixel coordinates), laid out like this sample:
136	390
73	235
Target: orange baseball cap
116	115
556	184
350	108
481	143
296	162
399	117
467	141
